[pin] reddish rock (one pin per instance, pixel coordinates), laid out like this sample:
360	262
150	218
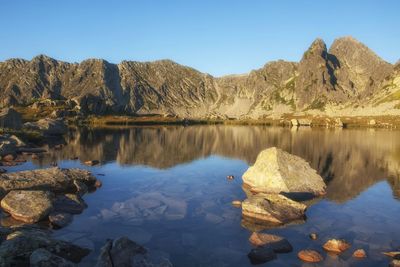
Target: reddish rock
237	203
310	256
277	243
359	253
336	245
98	183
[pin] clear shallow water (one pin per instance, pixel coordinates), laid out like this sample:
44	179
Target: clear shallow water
166	188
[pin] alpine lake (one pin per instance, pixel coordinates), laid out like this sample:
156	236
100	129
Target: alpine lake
166	188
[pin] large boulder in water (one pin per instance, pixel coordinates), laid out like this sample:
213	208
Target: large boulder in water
48	126
273	209
10	118
29	206
277	171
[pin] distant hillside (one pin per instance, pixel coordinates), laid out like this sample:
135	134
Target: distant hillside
348	76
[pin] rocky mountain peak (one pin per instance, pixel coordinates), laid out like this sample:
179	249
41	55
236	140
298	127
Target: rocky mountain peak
316	49
359	69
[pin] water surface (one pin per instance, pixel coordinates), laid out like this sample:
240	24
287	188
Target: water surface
166	188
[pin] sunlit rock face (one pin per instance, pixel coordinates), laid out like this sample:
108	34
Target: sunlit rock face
345	73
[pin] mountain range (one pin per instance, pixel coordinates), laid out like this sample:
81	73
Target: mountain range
348	78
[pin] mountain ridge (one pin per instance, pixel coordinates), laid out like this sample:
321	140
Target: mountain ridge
345	75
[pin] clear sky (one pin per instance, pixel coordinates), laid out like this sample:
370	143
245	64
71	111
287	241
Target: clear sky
218	37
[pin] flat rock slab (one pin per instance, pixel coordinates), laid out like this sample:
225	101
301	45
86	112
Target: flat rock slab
29	206
50	179
272	208
276	171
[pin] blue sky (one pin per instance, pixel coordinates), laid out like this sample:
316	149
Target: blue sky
218	37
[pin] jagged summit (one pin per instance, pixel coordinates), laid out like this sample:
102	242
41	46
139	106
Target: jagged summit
345	73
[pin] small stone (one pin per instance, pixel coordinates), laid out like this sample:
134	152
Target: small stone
230	177
314	236
8	157
277	243
237	203
98	183
261	255
310	256
92	162
336	245
60	219
359	253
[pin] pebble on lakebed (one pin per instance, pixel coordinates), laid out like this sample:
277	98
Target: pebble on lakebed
359	253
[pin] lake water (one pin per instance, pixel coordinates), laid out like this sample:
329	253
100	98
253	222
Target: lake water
166	188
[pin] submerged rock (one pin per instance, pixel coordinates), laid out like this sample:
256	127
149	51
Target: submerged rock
276	171
261	255
28	205
119	252
277	243
273	208
310	256
51	179
336	245
313	236
48	126
60	219
19	246
69	203
43	258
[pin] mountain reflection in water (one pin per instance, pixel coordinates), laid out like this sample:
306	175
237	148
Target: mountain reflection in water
350	161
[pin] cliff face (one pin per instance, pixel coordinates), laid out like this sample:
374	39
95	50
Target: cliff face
345	74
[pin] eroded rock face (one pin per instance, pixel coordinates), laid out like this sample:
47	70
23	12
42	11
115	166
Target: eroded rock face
10	118
19	246
274	209
277	171
50	179
29	206
48	126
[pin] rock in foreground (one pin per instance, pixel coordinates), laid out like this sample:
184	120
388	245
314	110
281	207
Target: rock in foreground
29	206
276	171
272	208
20	245
50	179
